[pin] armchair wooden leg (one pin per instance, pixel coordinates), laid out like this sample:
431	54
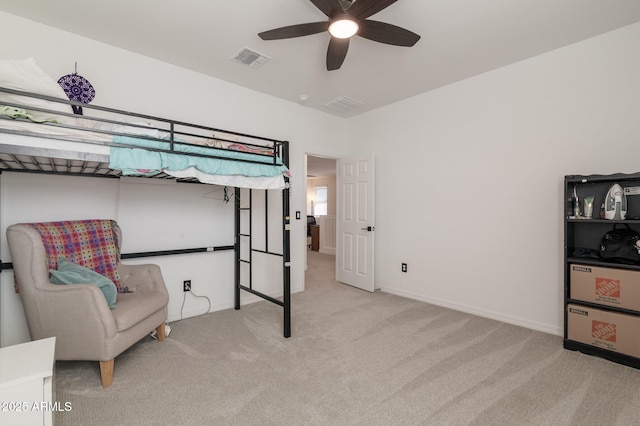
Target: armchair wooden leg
106	371
160	332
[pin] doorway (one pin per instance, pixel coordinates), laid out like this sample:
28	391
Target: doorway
321	211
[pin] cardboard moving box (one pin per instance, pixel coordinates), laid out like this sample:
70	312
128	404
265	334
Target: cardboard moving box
606	286
607	330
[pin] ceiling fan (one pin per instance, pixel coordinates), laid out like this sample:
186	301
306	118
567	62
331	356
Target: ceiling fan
347	18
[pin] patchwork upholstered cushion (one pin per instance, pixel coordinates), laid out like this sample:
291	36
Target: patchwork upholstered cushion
90	243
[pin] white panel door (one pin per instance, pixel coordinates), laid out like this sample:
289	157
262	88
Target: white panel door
355	254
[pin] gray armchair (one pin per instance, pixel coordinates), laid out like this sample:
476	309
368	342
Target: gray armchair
78	315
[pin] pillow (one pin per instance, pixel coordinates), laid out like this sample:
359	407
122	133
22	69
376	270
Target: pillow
25	75
70	273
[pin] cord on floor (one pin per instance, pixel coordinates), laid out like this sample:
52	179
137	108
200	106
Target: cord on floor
167	327
184	298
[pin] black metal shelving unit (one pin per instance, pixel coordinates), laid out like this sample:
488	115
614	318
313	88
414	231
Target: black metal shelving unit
583	235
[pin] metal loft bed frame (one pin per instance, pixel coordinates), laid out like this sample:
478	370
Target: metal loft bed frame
18	153
244	236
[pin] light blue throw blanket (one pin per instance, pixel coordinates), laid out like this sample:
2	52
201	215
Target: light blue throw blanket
135	161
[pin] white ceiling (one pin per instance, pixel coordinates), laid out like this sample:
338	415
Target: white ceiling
460	39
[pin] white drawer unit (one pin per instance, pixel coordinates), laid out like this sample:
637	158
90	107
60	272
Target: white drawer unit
26	383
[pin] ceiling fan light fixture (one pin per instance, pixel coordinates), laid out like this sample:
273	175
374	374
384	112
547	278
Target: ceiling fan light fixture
343	28
347	19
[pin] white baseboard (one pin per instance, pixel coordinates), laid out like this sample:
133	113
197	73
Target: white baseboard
534	325
246	299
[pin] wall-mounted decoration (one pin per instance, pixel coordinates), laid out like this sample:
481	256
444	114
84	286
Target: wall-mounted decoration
78	89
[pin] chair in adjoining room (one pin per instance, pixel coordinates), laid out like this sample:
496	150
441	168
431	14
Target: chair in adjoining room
106	306
311	221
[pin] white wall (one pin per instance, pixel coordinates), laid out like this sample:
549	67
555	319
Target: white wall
133	82
469	177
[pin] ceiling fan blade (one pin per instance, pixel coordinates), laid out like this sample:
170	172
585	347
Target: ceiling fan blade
298	30
387	33
328	7
336	52
362	9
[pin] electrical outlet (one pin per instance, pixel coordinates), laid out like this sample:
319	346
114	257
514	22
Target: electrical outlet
186	285
404	267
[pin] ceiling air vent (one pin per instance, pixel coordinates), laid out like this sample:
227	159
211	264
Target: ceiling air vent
250	57
343	104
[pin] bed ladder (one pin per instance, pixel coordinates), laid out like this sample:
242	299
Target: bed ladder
244	237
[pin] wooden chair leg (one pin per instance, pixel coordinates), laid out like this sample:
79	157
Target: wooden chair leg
106	372
160	332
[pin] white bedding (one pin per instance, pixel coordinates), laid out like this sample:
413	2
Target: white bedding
256	182
45	129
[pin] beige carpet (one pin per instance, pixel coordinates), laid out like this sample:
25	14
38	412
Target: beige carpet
355	358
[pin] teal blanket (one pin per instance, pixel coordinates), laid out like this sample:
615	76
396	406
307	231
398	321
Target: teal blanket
135	161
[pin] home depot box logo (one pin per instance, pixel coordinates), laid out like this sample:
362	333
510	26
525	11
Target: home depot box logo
603	331
606	287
